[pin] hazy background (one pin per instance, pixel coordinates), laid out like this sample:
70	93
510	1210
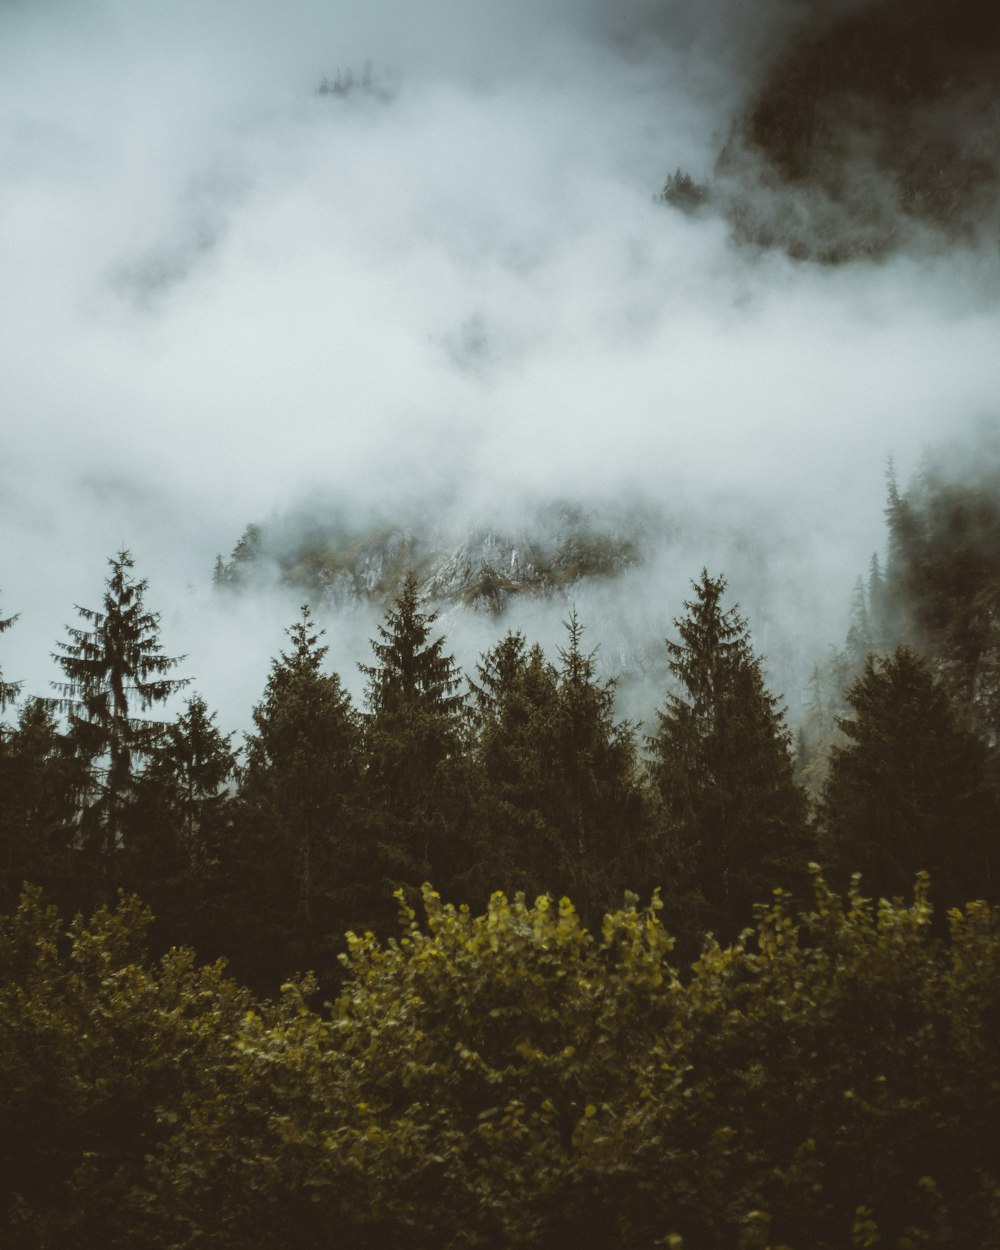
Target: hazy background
222	293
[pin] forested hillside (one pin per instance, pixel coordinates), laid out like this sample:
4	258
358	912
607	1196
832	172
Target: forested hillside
479	769
537	1059
871	131
332	559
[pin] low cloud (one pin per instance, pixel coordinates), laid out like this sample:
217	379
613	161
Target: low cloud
225	293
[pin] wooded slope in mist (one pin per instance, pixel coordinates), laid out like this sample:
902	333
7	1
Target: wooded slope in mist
509	1073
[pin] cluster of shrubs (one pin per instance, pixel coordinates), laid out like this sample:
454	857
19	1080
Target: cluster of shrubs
510	1079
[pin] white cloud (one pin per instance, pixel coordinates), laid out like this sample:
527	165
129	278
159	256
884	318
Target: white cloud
221	293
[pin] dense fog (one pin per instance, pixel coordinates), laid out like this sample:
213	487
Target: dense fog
443	283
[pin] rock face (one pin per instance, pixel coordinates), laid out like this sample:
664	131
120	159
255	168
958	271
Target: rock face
878	130
341	564
625	566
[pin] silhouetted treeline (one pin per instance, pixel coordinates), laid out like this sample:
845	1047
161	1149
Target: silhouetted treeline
517	777
513	1072
865	133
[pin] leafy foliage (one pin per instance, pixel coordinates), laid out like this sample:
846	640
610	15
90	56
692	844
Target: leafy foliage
534	1074
511	1079
98	1051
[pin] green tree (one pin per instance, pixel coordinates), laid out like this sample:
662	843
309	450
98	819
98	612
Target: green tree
560	801
510	1078
908	790
196	762
841	1064
476	1111
301	858
179	825
99	1049
722	761
414	736
247	553
113	670
40	785
513	708
943	575
8	690
860	641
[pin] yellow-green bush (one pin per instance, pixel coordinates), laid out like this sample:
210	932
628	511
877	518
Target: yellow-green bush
510	1079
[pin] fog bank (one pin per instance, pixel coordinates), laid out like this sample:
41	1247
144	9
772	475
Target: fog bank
450	286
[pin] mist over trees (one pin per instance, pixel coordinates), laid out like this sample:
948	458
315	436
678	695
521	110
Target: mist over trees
522	776
525	1055
494	927
871	130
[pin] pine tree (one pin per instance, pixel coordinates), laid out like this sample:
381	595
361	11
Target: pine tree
114	669
815	731
907	543
515	763
8	690
860	642
221	574
414	731
722	761
908	790
195	764
878	605
178	824
301	860
40	783
943	574
560	805
233	573
601	801
302	761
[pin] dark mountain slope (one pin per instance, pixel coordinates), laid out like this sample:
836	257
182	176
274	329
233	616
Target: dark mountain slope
881	130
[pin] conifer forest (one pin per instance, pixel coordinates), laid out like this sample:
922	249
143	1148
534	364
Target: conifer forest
568	818
477	963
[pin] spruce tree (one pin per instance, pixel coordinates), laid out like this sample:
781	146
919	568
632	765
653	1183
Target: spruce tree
908	790
195	765
300	860
860	642
600	808
8	690
114	669
40	783
414	735
878	605
722	762
514	715
560	803
178	825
